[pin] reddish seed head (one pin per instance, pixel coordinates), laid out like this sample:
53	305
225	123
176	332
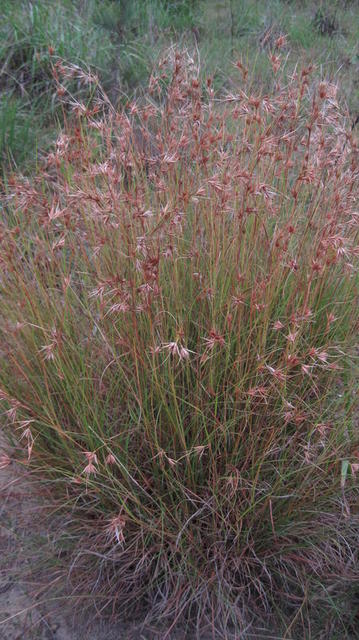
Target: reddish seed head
306	369
90	469
214	339
276	373
292	360
260	392
115	528
291	337
91	457
280	42
278	325
5	460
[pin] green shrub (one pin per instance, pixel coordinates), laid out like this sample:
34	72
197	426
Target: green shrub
179	301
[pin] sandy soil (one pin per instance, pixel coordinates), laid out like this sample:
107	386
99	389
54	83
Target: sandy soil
22	616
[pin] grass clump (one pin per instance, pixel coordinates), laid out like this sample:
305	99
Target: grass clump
179	298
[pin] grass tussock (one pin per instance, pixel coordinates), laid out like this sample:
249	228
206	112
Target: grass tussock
179	302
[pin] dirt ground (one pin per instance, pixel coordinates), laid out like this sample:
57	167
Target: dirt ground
22	617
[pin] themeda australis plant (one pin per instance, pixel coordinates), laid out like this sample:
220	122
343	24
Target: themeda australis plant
178	359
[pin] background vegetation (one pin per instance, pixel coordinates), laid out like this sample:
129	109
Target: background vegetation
121	40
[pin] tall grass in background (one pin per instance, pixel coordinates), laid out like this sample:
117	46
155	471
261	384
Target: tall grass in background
118	40
121	40
29	33
179	304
